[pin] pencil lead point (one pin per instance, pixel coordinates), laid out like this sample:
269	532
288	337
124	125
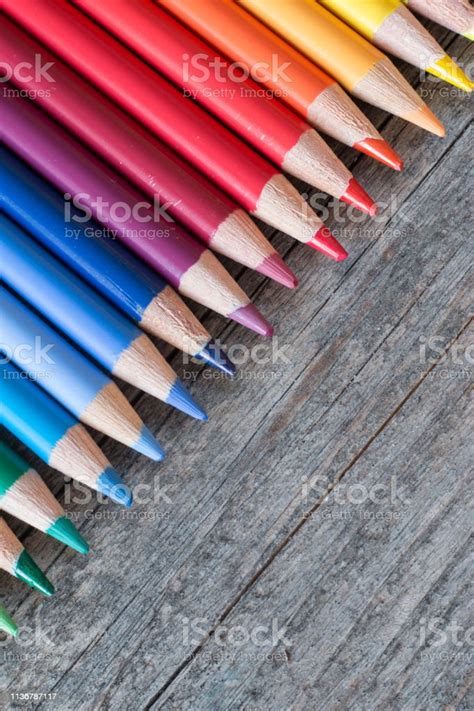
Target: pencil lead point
112	485
180	398
275	268
357	196
215	357
27	570
250	317
64	530
447	69
7	623
326	243
148	445
379	149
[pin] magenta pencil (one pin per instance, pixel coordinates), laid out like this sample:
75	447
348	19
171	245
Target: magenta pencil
167	247
186	194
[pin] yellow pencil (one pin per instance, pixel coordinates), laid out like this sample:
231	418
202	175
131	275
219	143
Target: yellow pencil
393	28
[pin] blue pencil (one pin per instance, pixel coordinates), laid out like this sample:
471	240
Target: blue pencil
55	436
70	377
108	266
87	318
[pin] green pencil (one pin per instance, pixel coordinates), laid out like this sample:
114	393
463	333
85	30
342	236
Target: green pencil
7	623
16	561
24	494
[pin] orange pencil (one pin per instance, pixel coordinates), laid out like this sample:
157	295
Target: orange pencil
359	66
295	80
456	15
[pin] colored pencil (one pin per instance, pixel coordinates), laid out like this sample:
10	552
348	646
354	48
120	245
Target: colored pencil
271	127
456	15
180	259
360	67
15	560
136	289
187	195
7	623
293	79
24	494
250	179
114	341
54	435
70	377
393	28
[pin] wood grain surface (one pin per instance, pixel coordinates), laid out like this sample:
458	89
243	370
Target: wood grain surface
308	547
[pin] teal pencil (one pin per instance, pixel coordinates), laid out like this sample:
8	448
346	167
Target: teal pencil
15	560
24	494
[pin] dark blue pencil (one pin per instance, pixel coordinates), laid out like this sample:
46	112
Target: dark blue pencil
108	266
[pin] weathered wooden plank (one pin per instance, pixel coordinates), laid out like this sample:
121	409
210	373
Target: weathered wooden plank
213	513
359	587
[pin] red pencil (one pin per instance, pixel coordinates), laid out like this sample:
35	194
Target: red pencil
202	140
183	193
270	126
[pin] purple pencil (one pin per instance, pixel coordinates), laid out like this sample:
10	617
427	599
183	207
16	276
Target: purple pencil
163	244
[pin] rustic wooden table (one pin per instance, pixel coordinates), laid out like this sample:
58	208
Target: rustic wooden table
308	547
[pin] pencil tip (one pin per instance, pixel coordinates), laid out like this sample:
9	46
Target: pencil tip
447	69
357	196
326	243
379	149
65	531
148	445
7	623
250	317
215	357
112	485
27	570
180	398
275	268
424	118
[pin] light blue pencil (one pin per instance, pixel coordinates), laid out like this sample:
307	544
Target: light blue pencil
55	436
70	377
